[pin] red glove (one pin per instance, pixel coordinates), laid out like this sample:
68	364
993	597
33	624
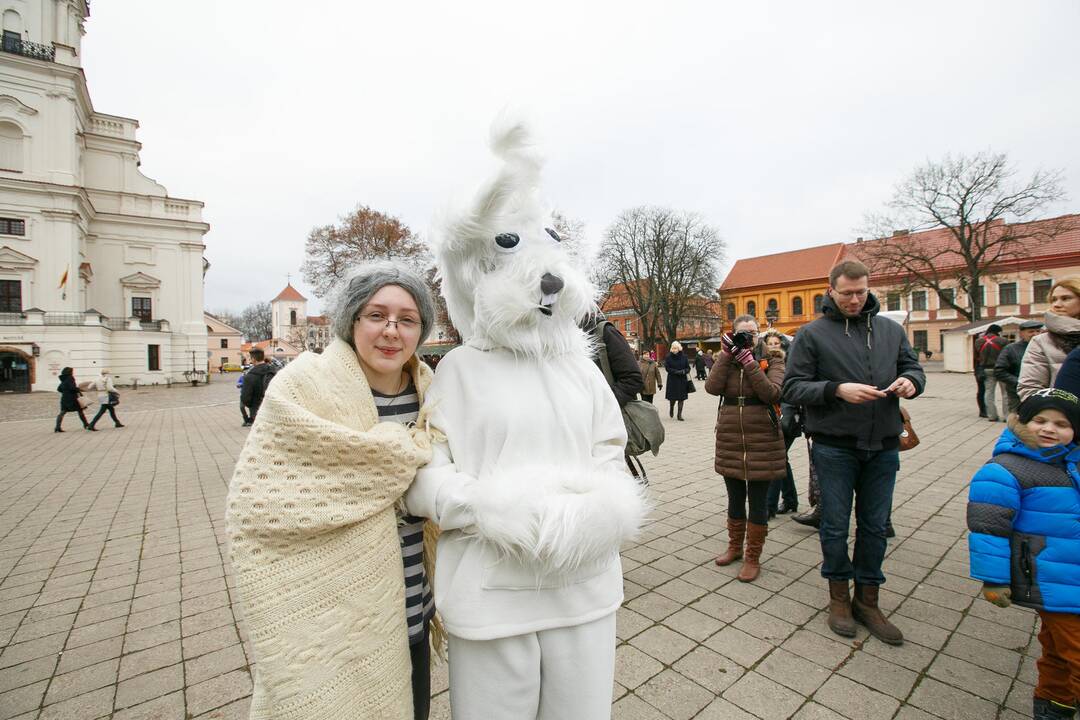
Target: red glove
746	357
725	343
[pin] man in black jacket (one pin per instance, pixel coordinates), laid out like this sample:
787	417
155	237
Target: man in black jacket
1007	367
256	381
624	366
848	370
990	346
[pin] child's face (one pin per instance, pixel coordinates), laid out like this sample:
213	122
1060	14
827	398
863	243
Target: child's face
773	343
1051	428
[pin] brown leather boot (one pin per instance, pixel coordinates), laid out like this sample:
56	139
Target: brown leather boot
755	541
840	620
864	608
736	532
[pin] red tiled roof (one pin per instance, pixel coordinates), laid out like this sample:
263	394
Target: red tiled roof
290	293
1035	242
318	320
813	263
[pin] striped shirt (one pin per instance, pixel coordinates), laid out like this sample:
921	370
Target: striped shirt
419	603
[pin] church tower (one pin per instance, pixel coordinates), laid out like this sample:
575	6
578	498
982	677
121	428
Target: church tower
289	315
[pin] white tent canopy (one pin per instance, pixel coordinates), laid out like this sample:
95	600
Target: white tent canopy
959	346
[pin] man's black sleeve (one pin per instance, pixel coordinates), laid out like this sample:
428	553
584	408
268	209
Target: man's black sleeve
247	390
801	383
1005	369
907	365
624	366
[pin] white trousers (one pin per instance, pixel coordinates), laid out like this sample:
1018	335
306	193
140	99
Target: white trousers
560	674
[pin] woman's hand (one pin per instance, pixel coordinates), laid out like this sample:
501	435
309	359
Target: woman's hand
1000	595
726	344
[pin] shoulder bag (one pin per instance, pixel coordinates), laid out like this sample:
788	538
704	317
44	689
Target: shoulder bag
644	431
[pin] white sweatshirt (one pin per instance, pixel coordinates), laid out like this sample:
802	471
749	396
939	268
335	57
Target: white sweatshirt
530	490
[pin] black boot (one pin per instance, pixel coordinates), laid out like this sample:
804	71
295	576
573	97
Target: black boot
680	410
1050	710
788	507
889	531
811	517
671	408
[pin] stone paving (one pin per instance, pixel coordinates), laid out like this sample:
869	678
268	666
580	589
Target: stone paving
116	595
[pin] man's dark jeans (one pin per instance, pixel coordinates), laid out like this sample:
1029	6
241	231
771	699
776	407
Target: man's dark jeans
867	478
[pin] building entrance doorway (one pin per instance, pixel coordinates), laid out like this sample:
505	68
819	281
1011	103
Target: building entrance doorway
14	373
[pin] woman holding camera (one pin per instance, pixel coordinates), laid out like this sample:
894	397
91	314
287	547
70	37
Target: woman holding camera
749	444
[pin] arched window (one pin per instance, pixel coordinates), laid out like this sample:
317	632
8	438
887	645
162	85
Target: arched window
772	309
292	317
751	308
818	300
11	147
731	311
796	306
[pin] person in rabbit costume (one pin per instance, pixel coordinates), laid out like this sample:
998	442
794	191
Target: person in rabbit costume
527	480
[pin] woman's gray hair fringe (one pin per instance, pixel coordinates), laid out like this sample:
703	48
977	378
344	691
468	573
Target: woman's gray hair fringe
356	289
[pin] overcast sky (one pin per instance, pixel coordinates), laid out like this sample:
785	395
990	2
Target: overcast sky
781	122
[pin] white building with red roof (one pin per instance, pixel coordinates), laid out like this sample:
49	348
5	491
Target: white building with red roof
291	322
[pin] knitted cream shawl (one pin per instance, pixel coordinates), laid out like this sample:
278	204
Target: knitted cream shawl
314	544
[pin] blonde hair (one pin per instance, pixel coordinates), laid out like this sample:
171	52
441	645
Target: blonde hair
1072	282
676	346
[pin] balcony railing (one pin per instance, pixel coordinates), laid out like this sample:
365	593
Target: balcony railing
75	319
65	318
28	49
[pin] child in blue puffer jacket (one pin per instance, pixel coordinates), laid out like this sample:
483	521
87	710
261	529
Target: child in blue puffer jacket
1024	516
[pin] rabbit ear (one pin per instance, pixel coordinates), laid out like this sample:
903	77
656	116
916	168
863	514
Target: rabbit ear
465	238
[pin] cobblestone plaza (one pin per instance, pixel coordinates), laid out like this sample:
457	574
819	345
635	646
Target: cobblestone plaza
116	593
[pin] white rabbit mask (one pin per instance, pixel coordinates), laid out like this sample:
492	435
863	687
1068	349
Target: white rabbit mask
507	280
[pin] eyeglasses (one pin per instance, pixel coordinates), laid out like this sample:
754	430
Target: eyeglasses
849	294
402	325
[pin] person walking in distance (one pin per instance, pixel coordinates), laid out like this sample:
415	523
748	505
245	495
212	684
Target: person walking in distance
256	381
980	381
108	399
990	346
848	370
750	451
678	378
699	365
69	399
650	373
1007	367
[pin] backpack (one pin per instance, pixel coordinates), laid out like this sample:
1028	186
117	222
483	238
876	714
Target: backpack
644	431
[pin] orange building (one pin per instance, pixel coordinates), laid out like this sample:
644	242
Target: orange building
784	290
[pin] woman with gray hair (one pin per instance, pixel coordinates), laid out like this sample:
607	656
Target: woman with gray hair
332	577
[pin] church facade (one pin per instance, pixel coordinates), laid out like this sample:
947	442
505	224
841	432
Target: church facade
288	312
99	266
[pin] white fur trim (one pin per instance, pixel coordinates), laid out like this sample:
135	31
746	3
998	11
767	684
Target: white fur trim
556	518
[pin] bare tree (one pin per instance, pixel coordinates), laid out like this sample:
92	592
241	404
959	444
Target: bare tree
665	262
256	322
976	201
362	235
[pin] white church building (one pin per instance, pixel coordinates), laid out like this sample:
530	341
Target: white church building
99	266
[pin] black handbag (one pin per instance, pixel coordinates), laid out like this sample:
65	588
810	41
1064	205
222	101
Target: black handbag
114	397
690	386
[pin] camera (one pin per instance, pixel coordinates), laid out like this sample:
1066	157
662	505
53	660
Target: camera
743	339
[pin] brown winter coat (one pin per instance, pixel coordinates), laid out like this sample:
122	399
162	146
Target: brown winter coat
650	371
749	443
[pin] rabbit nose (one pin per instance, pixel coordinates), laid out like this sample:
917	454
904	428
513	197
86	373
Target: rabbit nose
550	284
